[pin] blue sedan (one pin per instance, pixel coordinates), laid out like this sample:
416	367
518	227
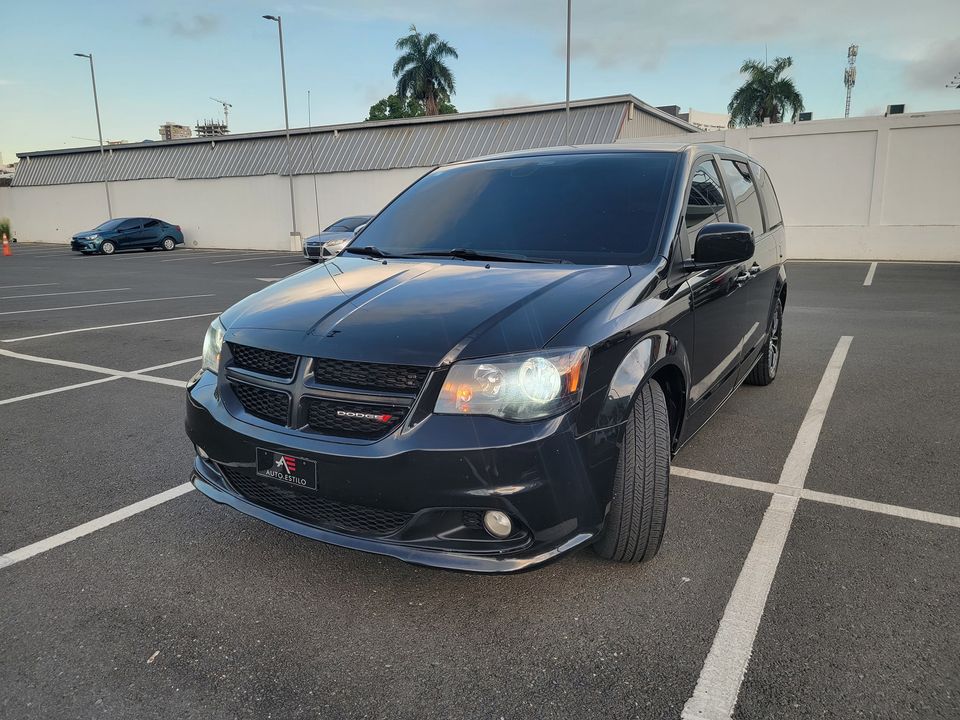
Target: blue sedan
137	233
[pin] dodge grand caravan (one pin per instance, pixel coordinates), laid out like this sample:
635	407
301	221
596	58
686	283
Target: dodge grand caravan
499	367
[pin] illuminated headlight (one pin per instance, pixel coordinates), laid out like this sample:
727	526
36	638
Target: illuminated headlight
335	246
515	387
212	344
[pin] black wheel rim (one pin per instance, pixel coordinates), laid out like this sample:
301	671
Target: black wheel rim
773	345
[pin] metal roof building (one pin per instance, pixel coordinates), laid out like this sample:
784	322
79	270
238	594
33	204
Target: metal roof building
382	145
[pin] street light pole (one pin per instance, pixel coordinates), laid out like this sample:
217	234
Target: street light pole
566	117
286	121
103	157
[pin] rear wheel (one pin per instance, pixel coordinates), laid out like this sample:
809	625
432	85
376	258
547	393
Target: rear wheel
765	370
638	510
168	243
107	247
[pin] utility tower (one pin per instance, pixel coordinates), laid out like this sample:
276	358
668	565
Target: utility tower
226	112
850	75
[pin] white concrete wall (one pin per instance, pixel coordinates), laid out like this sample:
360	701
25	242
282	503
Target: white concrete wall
864	188
248	212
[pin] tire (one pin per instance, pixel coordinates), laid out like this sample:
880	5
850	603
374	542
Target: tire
638	511
764	372
168	243
107	248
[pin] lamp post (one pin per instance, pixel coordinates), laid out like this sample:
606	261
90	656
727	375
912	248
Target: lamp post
566	116
103	157
286	121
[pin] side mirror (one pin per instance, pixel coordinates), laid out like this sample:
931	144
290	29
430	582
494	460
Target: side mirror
719	245
358	228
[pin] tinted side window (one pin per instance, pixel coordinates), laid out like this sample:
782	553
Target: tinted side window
129	224
152	223
706	203
744	194
770	205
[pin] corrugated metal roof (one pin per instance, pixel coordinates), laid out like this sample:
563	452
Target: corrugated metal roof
419	142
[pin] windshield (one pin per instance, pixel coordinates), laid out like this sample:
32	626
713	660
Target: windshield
110	224
347	224
591	209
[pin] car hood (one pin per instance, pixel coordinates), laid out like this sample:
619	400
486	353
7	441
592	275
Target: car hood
86	234
417	313
327	237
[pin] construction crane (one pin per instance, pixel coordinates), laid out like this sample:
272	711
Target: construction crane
226	110
850	75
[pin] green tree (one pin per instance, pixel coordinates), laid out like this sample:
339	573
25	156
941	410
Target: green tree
765	94
421	71
392	107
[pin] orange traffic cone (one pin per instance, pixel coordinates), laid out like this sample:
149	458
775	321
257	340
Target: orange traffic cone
6	246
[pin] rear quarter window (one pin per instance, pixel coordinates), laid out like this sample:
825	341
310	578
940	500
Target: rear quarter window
740	181
771	206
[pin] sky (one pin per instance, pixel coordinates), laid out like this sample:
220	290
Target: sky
158	61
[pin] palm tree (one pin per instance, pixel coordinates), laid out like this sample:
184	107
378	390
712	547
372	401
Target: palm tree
421	71
765	94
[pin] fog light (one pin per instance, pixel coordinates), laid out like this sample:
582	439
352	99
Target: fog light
497	524
201	452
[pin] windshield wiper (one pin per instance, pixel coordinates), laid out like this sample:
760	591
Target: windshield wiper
468	254
370	251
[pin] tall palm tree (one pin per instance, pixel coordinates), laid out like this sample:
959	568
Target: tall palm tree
765	94
421	71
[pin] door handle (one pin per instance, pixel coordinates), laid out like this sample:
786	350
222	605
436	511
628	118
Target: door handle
755	270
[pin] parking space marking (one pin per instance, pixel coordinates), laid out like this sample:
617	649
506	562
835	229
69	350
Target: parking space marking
268	279
821	497
715	695
116	302
28	551
68	292
212	255
133	375
295	262
108	327
869	279
109	378
251	259
8	287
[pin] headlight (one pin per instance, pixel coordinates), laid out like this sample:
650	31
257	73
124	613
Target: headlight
93	237
335	246
515	387
212	343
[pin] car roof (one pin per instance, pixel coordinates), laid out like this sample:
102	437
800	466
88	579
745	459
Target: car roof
645	146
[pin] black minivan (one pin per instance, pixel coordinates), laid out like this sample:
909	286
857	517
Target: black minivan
499	367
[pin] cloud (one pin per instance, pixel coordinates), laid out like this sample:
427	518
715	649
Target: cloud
934	69
192	26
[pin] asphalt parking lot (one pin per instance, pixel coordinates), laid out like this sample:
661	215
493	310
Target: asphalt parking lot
810	564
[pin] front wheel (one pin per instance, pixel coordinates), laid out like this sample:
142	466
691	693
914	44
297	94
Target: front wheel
638	510
768	363
168	244
107	247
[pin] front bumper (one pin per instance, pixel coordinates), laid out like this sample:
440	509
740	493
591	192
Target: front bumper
554	485
85	245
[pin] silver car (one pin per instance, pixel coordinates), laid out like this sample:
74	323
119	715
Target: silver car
333	238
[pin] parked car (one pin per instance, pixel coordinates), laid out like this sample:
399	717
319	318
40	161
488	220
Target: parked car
333	238
136	233
505	360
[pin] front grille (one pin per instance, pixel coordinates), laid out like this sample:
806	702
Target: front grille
316	510
266	362
270	405
370	376
345	419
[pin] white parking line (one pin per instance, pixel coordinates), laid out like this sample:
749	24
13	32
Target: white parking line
116	302
210	256
29	551
69	292
869	279
821	497
8	287
295	262
715	695
108	327
268	279
251	259
110	378
96	369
